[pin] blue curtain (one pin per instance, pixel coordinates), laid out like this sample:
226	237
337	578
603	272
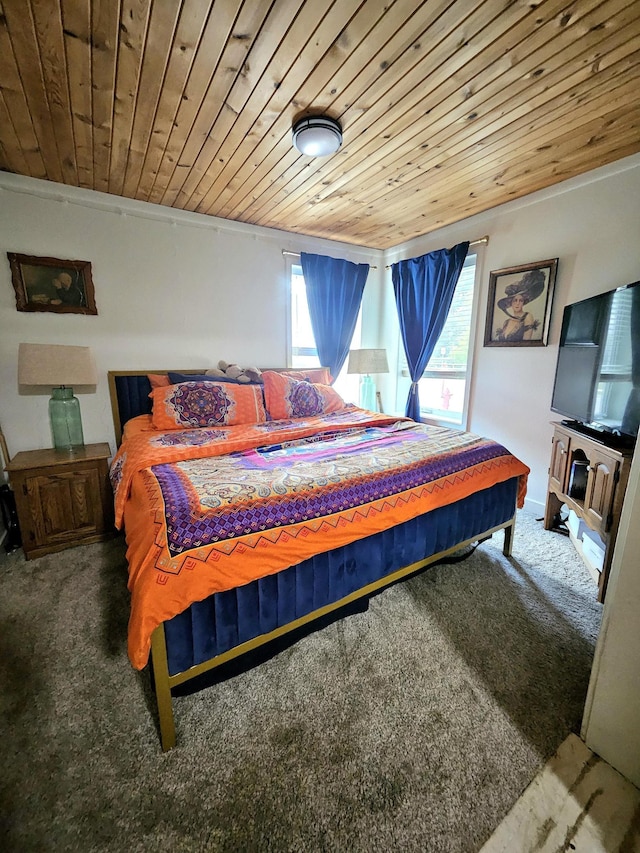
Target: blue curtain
334	293
424	288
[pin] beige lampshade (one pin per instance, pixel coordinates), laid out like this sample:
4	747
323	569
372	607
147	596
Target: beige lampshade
368	361
54	364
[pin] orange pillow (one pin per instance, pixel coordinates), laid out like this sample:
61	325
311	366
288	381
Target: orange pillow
291	398
320	375
158	380
207	404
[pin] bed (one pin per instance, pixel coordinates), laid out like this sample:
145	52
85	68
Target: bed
252	511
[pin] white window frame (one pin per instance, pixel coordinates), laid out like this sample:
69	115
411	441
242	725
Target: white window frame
295	268
291	261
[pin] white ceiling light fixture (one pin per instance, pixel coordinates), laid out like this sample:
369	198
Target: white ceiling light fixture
317	136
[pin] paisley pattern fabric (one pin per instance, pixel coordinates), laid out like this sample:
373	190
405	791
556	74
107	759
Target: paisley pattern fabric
143	446
200	519
193	438
206	404
268	487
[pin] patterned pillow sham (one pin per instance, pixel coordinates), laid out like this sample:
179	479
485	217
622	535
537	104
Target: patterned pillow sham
292	398
207	404
321	375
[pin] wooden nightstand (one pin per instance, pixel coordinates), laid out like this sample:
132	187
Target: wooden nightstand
598	499
63	498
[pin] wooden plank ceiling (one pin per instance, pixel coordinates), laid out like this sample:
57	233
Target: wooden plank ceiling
448	108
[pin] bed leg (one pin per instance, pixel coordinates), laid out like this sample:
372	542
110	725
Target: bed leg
163	690
508	538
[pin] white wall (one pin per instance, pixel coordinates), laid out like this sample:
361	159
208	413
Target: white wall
611	726
172	289
591	225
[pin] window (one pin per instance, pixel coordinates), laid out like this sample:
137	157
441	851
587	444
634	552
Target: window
304	352
615	381
443	387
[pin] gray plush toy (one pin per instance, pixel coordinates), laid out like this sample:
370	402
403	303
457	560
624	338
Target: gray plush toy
238	374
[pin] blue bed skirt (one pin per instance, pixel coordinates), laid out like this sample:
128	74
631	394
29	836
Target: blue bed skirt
225	620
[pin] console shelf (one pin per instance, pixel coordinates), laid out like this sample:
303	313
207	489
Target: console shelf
590	478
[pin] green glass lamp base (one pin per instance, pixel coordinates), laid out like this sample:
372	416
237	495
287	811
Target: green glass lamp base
66	424
367	393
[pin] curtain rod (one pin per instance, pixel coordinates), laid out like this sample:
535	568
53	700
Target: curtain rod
484	239
297	255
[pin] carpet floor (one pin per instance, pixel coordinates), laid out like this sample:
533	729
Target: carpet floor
412	726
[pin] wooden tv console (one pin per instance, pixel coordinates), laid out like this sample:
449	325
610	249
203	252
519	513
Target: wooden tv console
598	502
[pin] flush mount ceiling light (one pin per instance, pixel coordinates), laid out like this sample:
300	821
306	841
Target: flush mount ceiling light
317	136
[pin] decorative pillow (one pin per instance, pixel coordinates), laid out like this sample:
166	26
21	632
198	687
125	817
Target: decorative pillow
321	375
158	380
292	398
207	404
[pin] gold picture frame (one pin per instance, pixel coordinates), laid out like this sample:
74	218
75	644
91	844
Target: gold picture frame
52	284
519	305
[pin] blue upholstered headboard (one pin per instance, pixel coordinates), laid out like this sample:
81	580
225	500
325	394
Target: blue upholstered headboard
129	393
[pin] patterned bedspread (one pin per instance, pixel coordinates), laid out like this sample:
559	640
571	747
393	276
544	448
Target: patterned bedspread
207	510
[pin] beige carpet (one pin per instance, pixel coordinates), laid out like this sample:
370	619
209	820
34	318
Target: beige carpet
413	726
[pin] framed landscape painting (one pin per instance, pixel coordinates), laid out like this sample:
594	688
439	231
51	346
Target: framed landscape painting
51	284
519	305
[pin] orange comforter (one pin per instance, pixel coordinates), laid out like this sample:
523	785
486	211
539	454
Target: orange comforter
208	510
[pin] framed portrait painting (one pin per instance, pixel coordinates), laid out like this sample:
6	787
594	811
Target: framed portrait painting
519	305
51	284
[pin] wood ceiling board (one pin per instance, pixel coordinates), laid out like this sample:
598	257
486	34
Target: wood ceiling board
76	24
131	44
25	51
398	90
253	89
445	125
104	43
153	77
190	103
219	58
515	136
248	144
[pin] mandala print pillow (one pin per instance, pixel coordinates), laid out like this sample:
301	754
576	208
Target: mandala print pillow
291	398
207	404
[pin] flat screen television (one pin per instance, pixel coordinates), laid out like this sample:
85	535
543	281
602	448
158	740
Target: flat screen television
597	382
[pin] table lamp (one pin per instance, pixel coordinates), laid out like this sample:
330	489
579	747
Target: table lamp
59	367
365	362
